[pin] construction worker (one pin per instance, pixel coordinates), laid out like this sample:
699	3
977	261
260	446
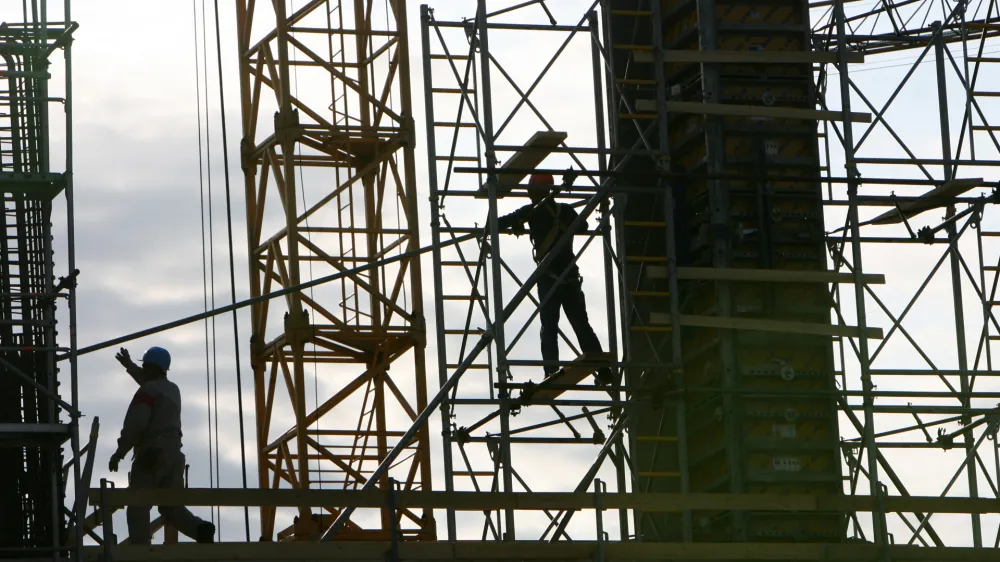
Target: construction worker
546	221
152	429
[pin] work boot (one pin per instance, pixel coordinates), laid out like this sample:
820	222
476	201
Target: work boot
206	533
604	376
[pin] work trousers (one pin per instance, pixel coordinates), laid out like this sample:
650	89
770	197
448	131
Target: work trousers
568	296
162	469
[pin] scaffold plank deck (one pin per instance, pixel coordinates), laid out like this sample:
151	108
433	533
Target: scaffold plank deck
537	149
940	196
569	375
477	501
533	550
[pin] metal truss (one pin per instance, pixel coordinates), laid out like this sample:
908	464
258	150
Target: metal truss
329	175
889	380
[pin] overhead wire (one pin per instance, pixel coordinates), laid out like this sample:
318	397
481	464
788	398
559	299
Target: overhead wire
204	264
232	265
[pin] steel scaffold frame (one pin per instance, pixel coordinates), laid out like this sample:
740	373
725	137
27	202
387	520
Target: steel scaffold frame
349	129
865	196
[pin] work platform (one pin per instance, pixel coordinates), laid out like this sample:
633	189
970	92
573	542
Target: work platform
583	551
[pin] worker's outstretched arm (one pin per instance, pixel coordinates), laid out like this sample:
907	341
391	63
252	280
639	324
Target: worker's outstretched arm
136	420
514	221
131	368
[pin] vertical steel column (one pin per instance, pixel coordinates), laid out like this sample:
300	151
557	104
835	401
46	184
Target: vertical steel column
609	274
432	177
666	188
80	506
956	282
497	326
878	518
286	139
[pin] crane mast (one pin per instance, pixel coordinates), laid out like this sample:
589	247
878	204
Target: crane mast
327	154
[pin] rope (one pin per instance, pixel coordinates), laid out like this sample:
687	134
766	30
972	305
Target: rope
232	266
204	264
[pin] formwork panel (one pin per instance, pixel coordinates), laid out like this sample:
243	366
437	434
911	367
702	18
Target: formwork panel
759	410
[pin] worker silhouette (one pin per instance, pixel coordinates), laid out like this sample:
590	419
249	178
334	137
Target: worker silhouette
547	221
152	429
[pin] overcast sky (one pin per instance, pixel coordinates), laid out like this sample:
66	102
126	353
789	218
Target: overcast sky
139	207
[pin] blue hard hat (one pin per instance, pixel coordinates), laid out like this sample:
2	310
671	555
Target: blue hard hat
157	356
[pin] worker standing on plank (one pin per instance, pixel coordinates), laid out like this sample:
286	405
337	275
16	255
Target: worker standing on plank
152	429
547	221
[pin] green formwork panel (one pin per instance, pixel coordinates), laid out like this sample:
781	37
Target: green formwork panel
759	414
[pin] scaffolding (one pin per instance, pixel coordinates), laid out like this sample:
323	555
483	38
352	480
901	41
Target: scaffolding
37	419
746	334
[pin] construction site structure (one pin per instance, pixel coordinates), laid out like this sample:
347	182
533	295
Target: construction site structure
771	398
39	412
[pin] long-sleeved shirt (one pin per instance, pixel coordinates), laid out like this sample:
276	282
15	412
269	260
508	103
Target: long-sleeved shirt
546	222
153	419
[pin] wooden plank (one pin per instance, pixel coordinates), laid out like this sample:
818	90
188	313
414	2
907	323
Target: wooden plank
536	550
782	326
747	57
537	149
479	501
569	375
940	196
773	275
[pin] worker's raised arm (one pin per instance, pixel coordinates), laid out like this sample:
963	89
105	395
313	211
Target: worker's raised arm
136	419
131	368
514	220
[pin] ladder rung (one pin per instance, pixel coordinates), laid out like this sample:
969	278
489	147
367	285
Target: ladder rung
452	57
645	13
451	91
471	367
993	303
646	224
457	158
459	263
626	47
991	268
994	338
984	59
649	293
990	234
477	473
987	94
454	125
987	128
477	331
638	116
460	297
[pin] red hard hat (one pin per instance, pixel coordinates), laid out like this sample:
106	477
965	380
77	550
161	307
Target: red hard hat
541	179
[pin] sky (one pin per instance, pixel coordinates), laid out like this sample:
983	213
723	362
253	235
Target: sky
142	189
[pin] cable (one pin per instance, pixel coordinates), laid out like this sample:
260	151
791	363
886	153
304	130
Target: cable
232	266
204	264
211	264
